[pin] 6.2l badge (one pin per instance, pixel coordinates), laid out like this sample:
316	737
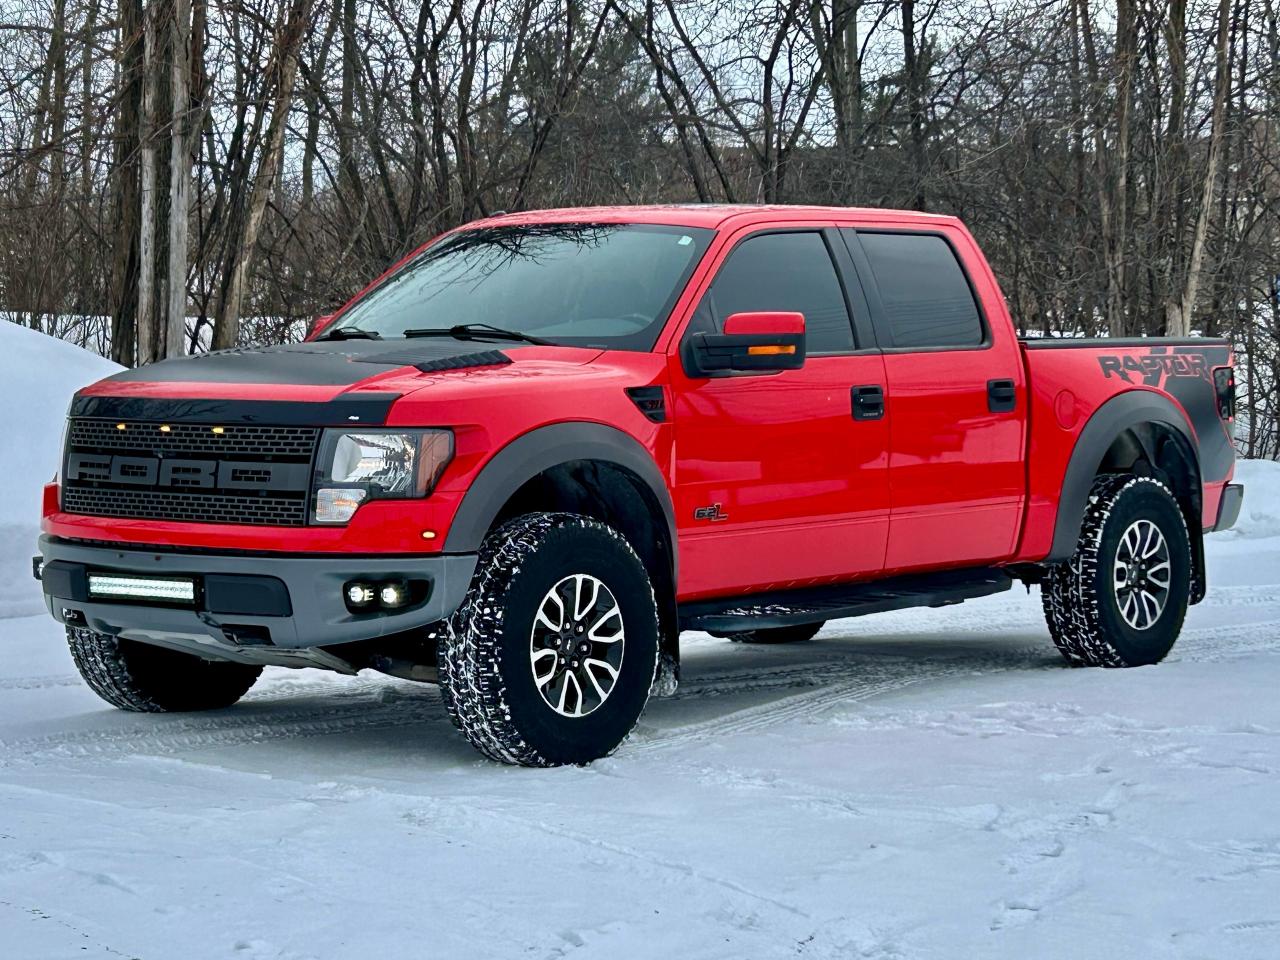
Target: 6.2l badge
711	513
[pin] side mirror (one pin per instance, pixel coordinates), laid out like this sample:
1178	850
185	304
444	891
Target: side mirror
318	324
751	343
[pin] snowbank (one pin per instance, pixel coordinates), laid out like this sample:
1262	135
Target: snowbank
1260	514
38	375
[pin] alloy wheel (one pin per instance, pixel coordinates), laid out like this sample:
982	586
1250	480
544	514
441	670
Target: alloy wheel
1141	574
576	645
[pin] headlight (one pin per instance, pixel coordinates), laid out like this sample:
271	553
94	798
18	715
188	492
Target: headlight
376	464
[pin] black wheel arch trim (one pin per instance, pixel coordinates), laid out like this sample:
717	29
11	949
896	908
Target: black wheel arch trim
539	450
1120	413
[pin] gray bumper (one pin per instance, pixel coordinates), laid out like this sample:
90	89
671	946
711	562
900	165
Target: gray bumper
313	614
1229	506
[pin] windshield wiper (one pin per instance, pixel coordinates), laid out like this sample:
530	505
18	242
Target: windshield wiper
476	331
350	333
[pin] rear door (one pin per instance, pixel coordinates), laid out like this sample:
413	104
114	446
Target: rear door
776	484
955	400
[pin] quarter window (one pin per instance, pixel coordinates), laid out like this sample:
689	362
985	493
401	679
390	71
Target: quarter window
786	272
926	297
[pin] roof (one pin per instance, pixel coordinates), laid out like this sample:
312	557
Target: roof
710	215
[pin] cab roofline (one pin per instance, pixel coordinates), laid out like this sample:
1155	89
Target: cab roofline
707	215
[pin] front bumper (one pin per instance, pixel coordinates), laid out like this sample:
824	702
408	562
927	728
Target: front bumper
253	600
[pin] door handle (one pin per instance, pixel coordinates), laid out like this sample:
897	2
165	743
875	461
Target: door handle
868	402
1002	396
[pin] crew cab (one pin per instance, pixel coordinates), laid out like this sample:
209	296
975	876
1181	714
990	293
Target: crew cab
533	452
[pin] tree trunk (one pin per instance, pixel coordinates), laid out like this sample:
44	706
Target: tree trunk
147	230
179	178
226	331
1118	255
86	104
124	272
1179	320
346	121
915	103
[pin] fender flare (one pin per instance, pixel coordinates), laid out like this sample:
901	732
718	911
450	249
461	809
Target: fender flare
1120	413
541	449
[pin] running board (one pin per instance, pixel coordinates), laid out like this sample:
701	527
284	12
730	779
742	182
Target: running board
785	608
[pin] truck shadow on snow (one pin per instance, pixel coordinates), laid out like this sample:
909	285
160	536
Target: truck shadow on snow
725	688
309	721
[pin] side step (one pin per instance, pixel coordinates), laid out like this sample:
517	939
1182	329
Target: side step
785	608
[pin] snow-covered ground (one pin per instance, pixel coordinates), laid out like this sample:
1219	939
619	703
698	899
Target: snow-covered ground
925	784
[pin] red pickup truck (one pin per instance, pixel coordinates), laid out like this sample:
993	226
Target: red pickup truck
526	458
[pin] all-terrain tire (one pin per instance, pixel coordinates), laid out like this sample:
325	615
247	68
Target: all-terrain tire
1085	598
797	633
145	678
485	654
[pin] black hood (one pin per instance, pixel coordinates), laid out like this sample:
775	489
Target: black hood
338	363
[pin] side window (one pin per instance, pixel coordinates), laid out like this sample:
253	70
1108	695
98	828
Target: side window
789	272
927	300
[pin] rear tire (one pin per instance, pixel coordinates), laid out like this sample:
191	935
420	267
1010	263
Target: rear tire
144	678
797	633
554	595
1122	597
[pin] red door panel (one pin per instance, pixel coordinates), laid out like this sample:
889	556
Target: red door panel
956	469
801	487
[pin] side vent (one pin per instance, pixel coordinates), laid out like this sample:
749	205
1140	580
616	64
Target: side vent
651	401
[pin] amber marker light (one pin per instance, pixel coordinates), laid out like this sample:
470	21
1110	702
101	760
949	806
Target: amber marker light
165	428
771	350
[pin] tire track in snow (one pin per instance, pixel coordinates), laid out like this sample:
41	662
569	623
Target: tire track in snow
850	683
379	704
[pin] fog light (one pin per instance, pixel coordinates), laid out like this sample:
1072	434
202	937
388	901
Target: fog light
393	594
359	594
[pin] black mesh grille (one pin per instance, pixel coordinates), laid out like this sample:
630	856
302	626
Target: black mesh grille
185	507
234	442
94	493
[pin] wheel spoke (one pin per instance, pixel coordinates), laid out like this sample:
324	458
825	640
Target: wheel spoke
1154	541
545	620
571	679
1150	606
595	682
615	613
548	658
582	605
1131	541
1127	605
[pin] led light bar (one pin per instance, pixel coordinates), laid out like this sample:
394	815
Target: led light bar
141	588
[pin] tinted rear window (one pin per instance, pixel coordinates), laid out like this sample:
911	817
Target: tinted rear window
927	300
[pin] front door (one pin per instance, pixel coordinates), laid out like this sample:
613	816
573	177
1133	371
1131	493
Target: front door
777	485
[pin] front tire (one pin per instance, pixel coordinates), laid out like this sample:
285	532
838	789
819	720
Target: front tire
551	656
144	678
1122	597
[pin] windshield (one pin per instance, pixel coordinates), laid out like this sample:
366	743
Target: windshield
603	285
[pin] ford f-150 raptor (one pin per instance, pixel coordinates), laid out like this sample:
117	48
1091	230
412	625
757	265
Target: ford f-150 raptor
526	458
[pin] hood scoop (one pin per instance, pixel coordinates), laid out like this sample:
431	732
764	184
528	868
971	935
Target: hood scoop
435	364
